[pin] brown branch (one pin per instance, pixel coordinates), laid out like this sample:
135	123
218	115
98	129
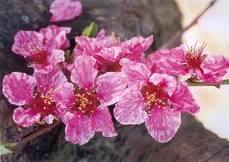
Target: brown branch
194	83
37	133
176	36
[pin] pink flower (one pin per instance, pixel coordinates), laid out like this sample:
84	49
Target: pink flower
43	49
37	96
156	99
108	51
87	111
190	63
63	10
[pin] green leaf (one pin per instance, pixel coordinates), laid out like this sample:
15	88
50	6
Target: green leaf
90	30
7	144
4	151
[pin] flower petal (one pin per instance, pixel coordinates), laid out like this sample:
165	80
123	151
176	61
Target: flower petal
111	54
18	88
102	122
169	61
137	73
56	37
78	128
25	117
163	124
57	57
51	82
65	97
91	46
43	68
101	34
25	42
138	44
183	100
49	119
130	108
63	10
214	69
84	72
110	87
167	82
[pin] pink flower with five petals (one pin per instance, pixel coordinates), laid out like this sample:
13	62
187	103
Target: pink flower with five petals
87	111
43	49
37	96
156	99
63	10
191	63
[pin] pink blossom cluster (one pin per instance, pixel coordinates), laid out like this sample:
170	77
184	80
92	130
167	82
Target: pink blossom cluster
105	71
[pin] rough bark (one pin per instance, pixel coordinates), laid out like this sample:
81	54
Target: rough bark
126	18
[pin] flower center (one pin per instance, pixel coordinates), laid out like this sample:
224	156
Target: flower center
86	101
154	96
43	104
39	55
195	58
113	67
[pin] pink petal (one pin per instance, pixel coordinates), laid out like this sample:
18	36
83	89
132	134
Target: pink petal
51	82
163	124
169	61
49	119
130	108
25	42
63	10
84	73
65	97
56	37
91	46
57	56
25	117
137	73
167	82
18	88
138	44
214	69
102	122
110	87
78	128
183	99
43	68
111	54
101	34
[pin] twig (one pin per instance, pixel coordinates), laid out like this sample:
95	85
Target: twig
193	22
38	133
193	83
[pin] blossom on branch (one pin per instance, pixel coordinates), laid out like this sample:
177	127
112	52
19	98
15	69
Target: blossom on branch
87	111
37	96
154	98
192	63
44	49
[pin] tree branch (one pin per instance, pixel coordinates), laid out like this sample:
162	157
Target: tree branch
217	85
177	36
37	133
